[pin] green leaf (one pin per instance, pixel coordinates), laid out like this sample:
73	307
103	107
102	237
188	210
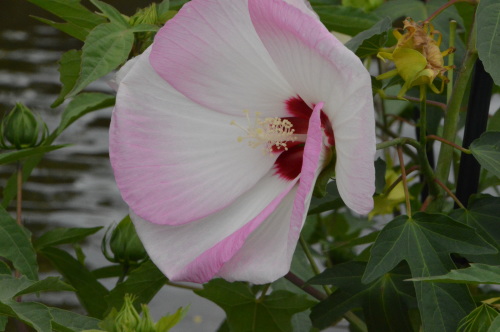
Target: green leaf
486	149
106	47
69	70
143	282
246	313
71	11
488	36
347	20
15	245
480	319
10	157
69	28
494	121
482	215
369	41
384	302
11	286
67	321
90	292
60	236
425	242
34	314
111	13
475	274
81	105
495	325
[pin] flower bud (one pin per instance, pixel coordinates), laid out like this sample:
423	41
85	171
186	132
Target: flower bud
22	128
125	244
127	318
146	324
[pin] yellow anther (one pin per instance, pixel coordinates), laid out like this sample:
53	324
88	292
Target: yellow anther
272	133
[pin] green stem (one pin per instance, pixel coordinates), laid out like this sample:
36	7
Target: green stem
263	293
451	59
450	126
423	117
311	260
405	183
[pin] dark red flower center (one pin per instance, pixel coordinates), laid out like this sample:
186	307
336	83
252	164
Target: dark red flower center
289	163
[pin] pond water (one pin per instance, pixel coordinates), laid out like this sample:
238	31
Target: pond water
74	186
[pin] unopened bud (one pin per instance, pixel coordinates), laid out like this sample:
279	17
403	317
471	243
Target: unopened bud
22	129
125	244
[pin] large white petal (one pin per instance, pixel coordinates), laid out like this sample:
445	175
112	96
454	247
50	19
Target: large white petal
320	68
176	161
211	53
174	248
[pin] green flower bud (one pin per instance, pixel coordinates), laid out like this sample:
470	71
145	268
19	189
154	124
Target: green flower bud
22	128
125	244
146	324
127	318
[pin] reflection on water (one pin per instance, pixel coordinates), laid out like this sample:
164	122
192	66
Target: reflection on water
74	186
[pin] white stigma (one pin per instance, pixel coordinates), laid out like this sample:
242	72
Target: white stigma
272	133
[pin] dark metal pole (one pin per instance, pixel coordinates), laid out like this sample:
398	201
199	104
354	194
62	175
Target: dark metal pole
475	125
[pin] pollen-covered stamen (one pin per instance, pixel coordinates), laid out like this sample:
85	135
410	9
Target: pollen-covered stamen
272	133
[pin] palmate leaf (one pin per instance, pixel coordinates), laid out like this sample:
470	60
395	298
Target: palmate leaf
475	274
425	242
245	313
480	319
488	36
34	314
486	149
15	245
385	302
482	215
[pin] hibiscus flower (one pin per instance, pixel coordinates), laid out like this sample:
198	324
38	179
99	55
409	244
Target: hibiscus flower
221	128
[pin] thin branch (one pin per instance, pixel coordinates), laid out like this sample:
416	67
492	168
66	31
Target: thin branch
448	191
446	5
417	100
398	180
445	141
